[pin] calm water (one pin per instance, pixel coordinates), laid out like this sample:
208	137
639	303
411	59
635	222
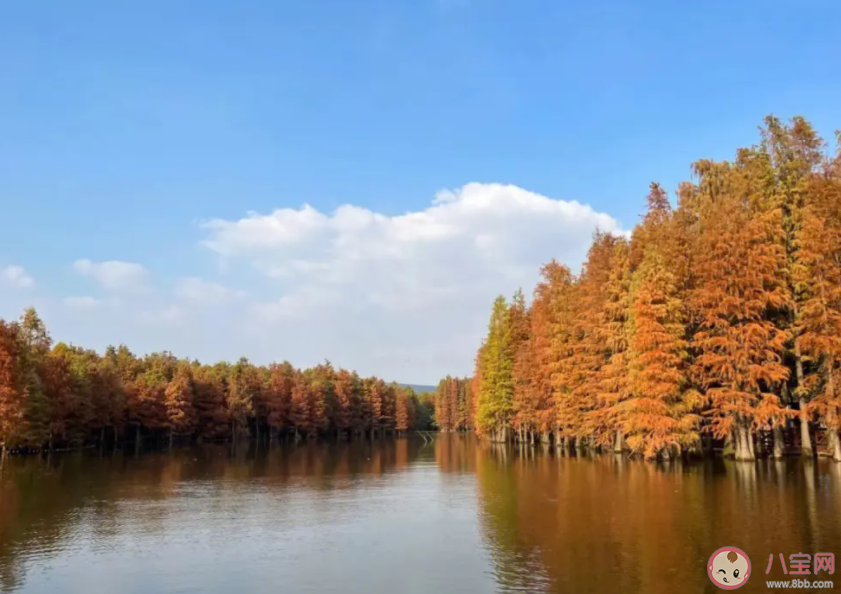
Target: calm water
450	516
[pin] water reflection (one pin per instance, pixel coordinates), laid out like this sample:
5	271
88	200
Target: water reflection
609	524
455	515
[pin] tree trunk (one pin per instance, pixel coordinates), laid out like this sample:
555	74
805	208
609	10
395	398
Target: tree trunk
833	443
170	437
137	439
707	444
805	439
741	437
749	435
779	443
737	442
619	444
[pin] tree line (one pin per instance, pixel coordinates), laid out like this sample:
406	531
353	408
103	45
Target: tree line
63	396
454	404
719	318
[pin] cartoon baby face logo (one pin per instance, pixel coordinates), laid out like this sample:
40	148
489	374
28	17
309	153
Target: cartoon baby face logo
729	568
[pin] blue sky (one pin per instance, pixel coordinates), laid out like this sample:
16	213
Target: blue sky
125	127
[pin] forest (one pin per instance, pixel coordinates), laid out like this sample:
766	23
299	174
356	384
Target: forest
57	396
718	319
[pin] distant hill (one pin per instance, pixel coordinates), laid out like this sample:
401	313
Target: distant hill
420	388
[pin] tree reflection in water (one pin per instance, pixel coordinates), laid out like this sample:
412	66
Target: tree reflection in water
540	522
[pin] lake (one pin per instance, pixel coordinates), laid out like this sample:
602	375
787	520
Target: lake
453	515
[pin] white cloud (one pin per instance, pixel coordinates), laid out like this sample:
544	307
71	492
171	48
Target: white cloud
17	277
114	275
404	296
200	291
84	302
168	316
296	305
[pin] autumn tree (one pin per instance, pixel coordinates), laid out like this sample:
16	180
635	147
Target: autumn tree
210	401
299	416
740	267
321	396
659	414
375	396
59	388
34	347
582	342
817	281
790	153
496	367
108	398
404	409
178	397
147	407
520	338
279	396
12	396
612	379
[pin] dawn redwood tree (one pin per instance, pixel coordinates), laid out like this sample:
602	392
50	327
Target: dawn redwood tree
817	281
35	343
722	307
72	395
659	414
740	269
347	397
453	404
587	344
108	399
279	396
83	369
469	404
12	397
520	330
321	396
612	377
444	405
58	385
358	405
404	409
540	354
243	391
299	416
476	384
178	397
210	401
376	395
562	295
389	407
496	396
791	154
148	408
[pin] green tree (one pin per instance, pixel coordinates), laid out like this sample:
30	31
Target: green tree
496	395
